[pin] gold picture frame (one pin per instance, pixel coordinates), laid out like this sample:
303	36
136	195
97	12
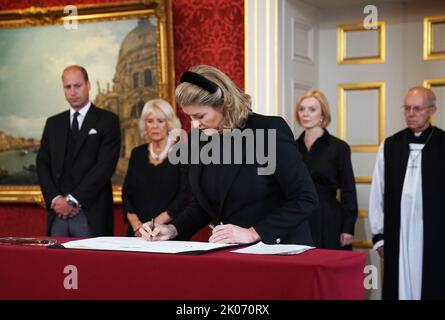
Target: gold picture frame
430	84
362	244
428	38
362	213
154	81
363	180
435	82
342	31
341	112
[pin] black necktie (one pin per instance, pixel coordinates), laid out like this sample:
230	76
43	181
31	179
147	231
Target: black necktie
75	125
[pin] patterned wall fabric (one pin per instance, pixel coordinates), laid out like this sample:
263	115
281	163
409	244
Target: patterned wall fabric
209	32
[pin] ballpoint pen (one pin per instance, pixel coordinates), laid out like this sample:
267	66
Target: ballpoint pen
212	226
152	226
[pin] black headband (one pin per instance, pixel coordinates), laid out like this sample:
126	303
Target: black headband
200	81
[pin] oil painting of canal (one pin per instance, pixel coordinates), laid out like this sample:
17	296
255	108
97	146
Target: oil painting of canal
122	59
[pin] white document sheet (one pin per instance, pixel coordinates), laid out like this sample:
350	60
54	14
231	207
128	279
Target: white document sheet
141	245
280	249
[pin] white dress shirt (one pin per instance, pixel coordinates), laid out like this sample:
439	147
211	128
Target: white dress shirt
81	116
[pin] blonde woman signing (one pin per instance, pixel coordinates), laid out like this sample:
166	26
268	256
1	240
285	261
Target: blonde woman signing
244	203
153	187
329	162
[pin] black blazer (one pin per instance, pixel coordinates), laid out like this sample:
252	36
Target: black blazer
276	206
94	161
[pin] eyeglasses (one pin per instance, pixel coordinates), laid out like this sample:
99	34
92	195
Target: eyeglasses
415	109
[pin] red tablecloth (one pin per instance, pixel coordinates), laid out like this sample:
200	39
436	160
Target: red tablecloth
38	273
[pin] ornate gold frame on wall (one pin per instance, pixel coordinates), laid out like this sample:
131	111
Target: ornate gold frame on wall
341	112
33	17
341	44
428	38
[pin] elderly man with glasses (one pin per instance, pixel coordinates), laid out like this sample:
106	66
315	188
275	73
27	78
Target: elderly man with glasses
406	207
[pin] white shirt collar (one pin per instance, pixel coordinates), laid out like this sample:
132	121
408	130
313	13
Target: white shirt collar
83	111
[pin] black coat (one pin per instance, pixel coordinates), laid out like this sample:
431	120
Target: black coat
94	161
276	206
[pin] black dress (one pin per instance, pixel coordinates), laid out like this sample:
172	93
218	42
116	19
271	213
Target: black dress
149	189
329	163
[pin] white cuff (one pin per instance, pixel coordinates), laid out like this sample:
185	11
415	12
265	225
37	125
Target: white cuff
378	244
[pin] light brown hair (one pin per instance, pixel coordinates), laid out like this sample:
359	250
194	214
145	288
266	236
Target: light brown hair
236	105
321	98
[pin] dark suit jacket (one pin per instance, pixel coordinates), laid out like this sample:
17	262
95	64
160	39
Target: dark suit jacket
94	161
276	206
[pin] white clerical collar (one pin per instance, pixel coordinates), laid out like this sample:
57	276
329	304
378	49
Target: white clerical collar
83	111
419	133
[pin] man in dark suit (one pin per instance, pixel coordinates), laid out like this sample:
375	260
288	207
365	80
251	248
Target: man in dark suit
77	157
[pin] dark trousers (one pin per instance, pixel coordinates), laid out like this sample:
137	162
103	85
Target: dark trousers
76	227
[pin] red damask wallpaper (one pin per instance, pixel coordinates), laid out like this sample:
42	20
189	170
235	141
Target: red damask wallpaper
205	32
210	32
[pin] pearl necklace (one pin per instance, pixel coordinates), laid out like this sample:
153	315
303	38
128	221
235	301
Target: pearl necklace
161	156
